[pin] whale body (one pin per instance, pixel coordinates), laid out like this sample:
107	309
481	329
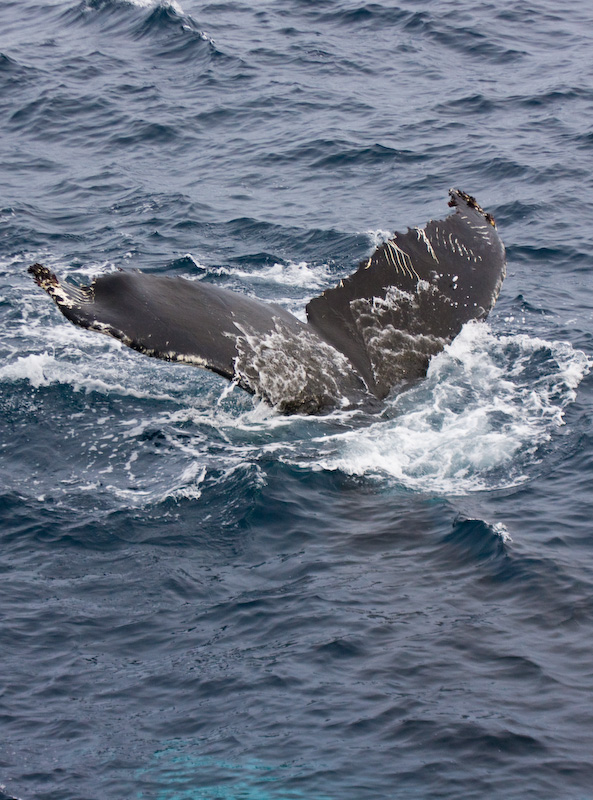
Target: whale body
372	334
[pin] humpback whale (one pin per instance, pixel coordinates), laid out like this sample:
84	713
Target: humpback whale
372	334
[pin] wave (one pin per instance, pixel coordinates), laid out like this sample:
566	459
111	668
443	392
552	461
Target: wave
160	25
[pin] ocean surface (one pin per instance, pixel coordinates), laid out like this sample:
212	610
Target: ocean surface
200	598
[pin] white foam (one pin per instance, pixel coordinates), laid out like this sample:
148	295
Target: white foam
188	484
156	4
379	237
294	274
477	421
92	270
31	368
44	369
198	264
502	532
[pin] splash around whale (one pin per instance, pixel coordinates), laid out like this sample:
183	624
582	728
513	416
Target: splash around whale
372	334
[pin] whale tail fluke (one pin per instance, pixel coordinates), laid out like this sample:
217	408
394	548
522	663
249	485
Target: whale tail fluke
374	331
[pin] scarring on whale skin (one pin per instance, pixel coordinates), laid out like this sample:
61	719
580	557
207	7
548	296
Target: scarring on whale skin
371	334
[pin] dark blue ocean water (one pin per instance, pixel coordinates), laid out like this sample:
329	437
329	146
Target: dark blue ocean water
200	598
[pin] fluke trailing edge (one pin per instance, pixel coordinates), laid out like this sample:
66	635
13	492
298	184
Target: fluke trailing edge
374	332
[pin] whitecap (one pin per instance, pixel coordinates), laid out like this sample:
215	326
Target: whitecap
172	4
